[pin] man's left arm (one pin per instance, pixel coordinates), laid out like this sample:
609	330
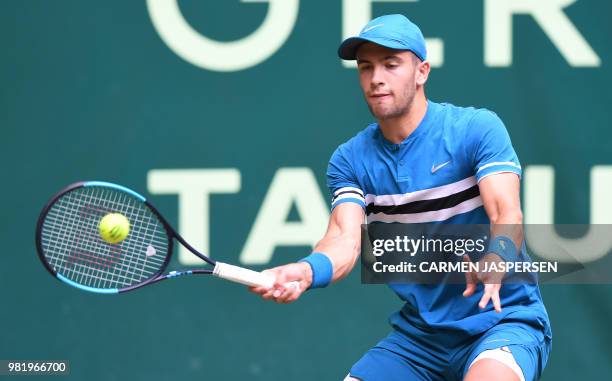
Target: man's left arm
500	196
497	170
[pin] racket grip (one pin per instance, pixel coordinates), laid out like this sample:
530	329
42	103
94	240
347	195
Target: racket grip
241	275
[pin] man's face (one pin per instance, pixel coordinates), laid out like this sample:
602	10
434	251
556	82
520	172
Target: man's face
388	79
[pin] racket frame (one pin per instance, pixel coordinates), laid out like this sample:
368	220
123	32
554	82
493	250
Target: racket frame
170	233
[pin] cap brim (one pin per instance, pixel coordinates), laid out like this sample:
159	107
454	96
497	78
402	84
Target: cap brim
348	48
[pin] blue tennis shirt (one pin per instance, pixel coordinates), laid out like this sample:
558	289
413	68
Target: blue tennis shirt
432	176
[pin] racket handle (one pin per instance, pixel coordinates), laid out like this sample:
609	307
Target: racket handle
244	276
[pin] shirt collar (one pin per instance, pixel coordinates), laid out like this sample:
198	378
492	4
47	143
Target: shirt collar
423	126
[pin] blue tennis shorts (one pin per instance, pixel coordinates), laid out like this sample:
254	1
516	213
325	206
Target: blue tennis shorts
419	354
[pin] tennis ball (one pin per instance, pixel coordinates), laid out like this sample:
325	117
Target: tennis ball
114	227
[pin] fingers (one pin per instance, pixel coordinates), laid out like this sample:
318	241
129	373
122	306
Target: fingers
491	290
486	296
263	290
286	288
257	290
491	293
469	289
496	301
269	294
288	293
470	281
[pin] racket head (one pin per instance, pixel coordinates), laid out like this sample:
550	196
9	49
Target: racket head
71	248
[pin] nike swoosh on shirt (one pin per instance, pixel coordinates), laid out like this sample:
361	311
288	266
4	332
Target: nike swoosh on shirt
434	168
372	27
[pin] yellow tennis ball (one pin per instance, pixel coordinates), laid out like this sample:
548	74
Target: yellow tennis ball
114	227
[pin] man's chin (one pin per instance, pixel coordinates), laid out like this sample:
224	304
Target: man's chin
380	112
385	114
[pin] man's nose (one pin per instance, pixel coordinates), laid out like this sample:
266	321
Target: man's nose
377	77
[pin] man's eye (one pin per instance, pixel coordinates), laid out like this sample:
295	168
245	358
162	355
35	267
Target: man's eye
364	67
391	66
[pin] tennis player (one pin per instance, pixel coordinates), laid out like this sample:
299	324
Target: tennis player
419	151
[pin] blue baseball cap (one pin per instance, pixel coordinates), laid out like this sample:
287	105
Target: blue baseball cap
391	31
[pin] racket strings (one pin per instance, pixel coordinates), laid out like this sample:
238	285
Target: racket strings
82	258
83	262
131	264
74	248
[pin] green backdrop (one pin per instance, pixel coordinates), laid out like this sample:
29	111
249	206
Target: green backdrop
89	90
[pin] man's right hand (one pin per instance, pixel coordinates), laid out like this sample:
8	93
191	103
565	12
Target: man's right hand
291	281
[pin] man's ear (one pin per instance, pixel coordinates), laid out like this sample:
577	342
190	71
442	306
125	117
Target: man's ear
422	72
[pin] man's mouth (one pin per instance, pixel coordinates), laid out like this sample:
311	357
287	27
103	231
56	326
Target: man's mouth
380	95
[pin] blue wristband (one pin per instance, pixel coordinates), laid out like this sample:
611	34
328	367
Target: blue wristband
322	269
505	248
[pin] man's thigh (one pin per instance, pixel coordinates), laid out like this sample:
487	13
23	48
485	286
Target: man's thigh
399	358
498	364
508	349
380	364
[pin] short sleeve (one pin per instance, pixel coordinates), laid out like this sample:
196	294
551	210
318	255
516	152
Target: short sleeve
342	180
491	146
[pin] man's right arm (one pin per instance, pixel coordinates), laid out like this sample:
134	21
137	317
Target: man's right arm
340	244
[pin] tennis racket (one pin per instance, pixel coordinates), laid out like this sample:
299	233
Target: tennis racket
70	246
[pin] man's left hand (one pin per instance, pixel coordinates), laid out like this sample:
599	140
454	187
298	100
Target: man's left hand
490	279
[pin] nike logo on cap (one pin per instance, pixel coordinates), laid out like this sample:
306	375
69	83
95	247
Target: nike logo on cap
371	27
434	168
